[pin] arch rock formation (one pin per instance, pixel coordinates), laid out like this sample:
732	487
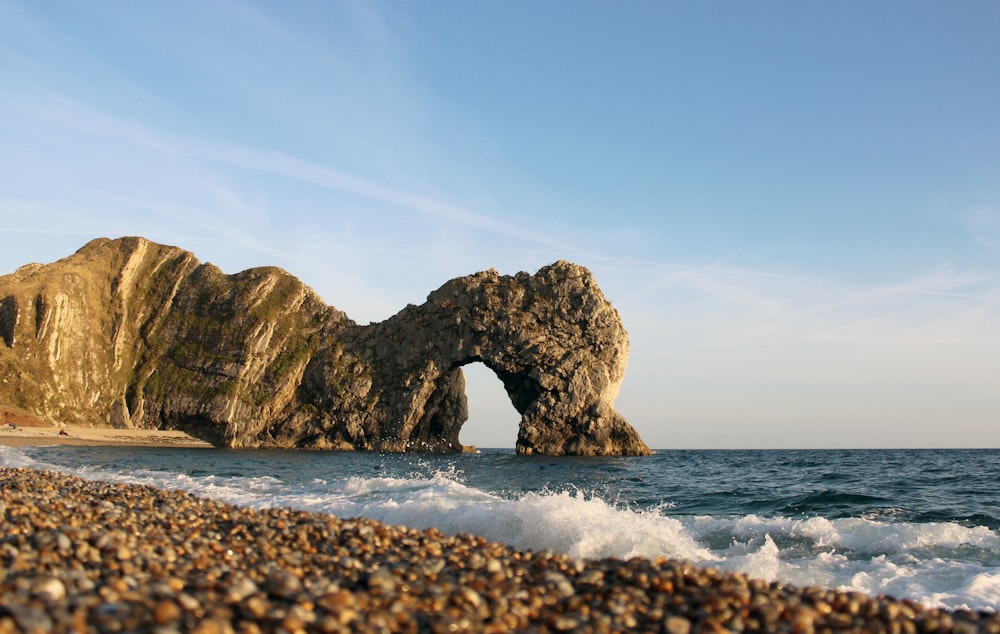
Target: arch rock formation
130	333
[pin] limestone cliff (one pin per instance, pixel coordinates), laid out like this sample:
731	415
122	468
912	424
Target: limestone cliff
131	333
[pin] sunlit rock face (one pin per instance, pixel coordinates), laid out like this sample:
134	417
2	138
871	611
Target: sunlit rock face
130	333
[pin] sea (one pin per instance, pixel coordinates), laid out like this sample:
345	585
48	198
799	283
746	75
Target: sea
918	524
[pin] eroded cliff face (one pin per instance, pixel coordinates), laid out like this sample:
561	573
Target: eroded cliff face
130	333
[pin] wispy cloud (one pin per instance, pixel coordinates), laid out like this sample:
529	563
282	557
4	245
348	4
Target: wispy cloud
56	111
978	217
324	176
983	224
701	308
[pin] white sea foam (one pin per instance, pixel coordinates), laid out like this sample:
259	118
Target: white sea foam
941	564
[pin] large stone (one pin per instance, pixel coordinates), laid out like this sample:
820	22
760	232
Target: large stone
130	333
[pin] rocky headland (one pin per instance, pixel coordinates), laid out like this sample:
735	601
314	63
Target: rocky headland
129	333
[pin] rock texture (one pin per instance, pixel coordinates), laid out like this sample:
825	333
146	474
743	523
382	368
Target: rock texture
130	333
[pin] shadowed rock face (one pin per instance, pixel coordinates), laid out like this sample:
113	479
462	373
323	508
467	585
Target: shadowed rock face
130	333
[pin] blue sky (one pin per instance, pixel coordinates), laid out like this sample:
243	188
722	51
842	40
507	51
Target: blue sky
794	206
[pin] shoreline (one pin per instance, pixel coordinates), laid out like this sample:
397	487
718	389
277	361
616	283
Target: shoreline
38	435
80	555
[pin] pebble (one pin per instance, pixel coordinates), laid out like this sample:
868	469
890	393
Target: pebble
50	589
82	556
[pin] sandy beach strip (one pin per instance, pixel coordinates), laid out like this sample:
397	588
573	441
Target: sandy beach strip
79	556
21	436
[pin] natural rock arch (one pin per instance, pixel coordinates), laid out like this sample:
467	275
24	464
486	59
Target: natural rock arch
128	332
552	338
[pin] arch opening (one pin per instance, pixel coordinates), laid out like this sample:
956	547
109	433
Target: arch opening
493	421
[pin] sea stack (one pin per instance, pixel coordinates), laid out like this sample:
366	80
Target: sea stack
130	333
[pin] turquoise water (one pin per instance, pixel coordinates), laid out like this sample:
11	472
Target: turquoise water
923	524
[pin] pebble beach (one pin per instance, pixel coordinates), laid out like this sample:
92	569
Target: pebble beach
87	556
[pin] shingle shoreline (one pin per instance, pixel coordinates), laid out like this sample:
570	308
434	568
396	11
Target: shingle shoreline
83	556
